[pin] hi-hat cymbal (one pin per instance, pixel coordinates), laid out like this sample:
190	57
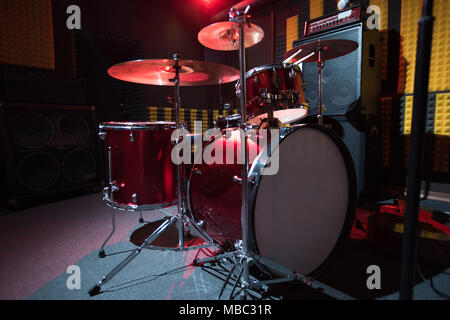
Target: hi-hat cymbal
159	72
331	49
225	36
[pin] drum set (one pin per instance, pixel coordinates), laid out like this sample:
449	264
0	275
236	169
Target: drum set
289	223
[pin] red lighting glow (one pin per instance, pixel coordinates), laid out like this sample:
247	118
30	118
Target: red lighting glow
207	3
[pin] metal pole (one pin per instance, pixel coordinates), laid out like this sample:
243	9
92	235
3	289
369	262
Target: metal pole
244	153
320	65
415	162
178	125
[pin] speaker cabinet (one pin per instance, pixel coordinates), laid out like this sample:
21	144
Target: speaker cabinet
351	88
49	152
350	83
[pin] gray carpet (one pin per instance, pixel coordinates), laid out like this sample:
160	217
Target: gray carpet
169	275
38	244
153	274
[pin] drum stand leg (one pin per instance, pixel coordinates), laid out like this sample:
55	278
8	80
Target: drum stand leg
101	253
97	288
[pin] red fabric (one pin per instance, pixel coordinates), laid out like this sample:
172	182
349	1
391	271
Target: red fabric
359	229
424	217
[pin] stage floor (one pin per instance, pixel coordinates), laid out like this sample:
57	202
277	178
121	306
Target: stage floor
37	246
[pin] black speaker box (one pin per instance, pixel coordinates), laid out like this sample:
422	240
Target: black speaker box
351	88
49	151
350	83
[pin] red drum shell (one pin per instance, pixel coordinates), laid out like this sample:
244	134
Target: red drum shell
141	163
298	217
261	79
219	203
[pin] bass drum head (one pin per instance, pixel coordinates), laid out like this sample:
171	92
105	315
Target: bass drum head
302	213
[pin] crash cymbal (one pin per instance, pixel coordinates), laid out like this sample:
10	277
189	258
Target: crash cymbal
159	72
225	36
331	49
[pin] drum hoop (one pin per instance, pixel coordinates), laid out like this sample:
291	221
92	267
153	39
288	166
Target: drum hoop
143	207
266	67
255	178
159	125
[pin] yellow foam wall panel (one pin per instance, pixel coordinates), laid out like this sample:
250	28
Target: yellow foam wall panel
408	114
291	31
440	58
315	8
411	12
26	33
440	52
442	115
153	113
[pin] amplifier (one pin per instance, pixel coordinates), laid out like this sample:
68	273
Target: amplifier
332	21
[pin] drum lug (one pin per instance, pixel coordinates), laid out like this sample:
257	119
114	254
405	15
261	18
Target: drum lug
114	186
134	200
102	135
131	136
105	193
239	180
292	73
256	79
237	87
197	171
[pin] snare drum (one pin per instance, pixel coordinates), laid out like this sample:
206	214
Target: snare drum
279	86
141	173
297	217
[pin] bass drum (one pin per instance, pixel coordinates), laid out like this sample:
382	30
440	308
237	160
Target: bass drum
297	217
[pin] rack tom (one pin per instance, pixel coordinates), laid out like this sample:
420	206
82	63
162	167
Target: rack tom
277	86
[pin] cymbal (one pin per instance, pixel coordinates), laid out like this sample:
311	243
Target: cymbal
159	72
225	36
331	49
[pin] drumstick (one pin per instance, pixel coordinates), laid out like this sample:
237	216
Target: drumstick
289	59
304	58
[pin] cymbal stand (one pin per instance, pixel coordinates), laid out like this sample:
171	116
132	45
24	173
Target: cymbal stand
320	64
181	218
243	255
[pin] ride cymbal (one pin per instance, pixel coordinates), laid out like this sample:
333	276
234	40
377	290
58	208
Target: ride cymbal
331	49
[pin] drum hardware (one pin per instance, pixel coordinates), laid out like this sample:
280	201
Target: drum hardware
242	255
320	64
220	99
181	219
276	88
134	199
239	180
